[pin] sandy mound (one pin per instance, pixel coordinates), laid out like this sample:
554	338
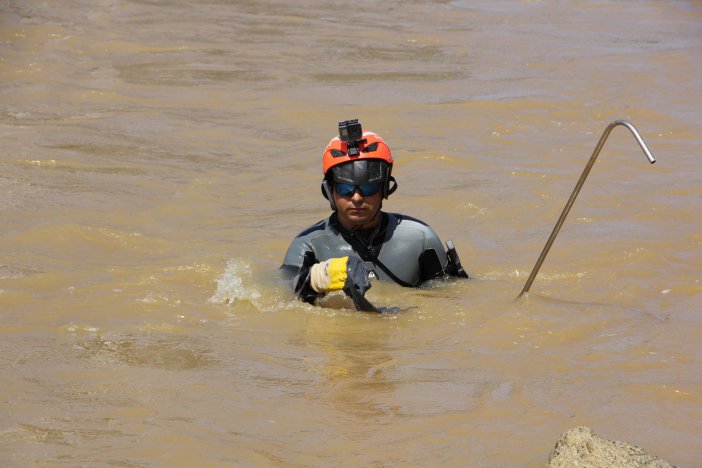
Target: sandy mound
579	447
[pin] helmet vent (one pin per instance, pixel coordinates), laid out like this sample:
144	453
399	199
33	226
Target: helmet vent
338	153
370	148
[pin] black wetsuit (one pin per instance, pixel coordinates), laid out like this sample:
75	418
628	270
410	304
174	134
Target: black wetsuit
399	248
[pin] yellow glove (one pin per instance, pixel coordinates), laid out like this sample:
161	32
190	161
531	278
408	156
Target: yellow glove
329	275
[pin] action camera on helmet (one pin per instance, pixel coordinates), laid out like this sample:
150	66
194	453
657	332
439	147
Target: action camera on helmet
351	132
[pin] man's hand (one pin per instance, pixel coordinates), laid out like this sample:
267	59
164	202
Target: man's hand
340	273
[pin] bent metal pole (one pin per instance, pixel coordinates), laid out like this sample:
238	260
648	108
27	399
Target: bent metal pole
576	190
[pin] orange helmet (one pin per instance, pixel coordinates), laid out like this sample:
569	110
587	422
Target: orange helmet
370	147
357	157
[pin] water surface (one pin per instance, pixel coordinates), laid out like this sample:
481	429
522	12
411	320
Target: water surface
158	157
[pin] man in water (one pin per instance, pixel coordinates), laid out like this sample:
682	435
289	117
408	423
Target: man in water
359	241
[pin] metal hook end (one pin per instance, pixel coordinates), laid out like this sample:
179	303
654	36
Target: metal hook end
577	188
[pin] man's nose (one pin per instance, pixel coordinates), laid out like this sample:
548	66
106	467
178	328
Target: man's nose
357	196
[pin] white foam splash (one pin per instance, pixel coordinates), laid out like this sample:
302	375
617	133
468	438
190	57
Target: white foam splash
235	284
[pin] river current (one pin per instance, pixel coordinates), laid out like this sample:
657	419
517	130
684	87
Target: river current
158	156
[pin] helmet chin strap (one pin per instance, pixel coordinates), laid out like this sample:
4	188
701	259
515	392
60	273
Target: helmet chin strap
327	192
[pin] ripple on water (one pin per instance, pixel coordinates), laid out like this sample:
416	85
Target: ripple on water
160	353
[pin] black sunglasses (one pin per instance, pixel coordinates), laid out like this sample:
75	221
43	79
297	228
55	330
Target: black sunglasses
347	190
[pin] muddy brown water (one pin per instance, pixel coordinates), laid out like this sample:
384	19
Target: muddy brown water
158	156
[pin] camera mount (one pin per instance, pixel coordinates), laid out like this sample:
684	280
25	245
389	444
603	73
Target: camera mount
351	132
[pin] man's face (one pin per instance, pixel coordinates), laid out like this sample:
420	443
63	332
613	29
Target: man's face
357	211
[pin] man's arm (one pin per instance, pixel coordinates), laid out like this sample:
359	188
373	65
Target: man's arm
436	262
300	278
